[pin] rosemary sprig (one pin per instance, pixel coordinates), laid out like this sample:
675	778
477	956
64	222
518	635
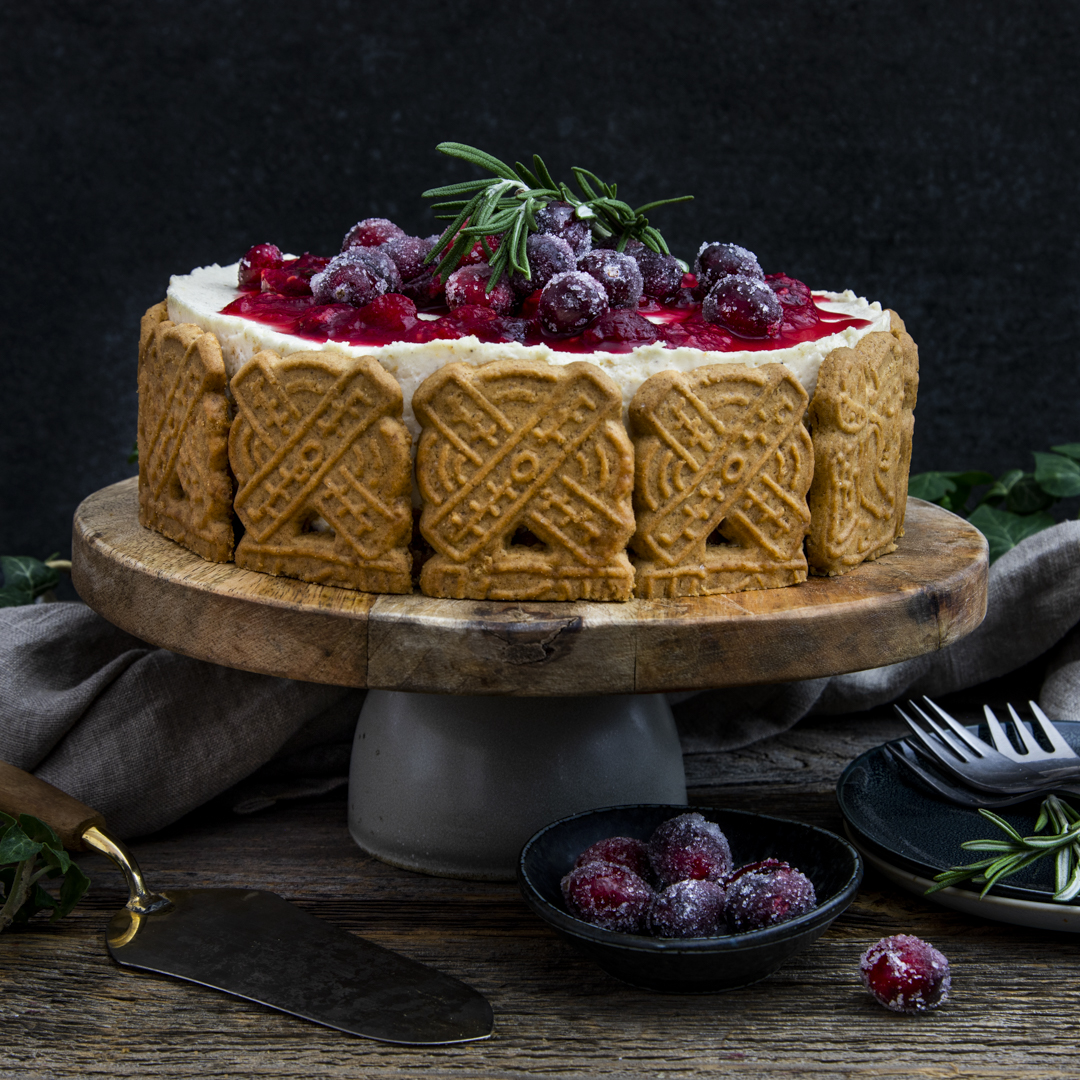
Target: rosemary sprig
1016	851
507	203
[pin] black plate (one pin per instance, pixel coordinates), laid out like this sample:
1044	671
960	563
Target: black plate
914	829
693	965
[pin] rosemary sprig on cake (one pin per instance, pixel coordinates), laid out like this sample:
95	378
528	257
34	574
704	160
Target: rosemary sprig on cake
508	203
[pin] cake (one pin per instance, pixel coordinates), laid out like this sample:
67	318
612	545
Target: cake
543	279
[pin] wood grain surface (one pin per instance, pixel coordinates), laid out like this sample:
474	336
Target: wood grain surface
68	1011
929	592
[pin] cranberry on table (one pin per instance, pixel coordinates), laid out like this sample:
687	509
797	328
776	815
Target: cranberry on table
619	274
570	302
686	909
608	895
905	974
371	232
689	846
621	850
560	219
661	275
257	259
715	261
746	306
469	285
765	893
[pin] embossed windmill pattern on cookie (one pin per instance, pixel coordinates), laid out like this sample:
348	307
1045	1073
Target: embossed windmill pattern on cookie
526	474
322	460
723	467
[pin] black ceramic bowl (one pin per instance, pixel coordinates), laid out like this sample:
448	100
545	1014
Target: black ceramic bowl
692	965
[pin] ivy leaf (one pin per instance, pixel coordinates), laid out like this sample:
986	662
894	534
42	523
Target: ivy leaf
74	885
1004	530
16	846
25	579
1027	496
1070	450
948	489
1057	474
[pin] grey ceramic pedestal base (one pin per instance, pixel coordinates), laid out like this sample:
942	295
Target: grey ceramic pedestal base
455	785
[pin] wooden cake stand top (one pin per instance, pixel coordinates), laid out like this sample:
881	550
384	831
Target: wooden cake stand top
928	593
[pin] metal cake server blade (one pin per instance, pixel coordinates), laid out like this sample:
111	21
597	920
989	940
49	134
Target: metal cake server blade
256	945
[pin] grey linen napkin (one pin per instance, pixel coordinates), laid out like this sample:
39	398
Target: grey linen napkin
145	735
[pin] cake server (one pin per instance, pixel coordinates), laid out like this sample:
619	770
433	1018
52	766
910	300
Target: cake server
258	946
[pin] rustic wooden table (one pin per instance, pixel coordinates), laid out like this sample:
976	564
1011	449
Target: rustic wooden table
67	1010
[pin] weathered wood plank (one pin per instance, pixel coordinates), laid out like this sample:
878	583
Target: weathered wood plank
67	1011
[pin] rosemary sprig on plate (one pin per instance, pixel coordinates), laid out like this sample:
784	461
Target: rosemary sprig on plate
1015	852
507	203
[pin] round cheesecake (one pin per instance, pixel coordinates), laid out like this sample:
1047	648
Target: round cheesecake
202	296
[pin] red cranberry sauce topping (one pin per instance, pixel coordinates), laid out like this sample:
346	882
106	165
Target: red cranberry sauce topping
676	322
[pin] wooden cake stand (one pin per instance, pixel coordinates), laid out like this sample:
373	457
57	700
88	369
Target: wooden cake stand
488	719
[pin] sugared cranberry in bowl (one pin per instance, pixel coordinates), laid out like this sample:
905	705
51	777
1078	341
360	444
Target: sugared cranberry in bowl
765	893
255	260
723	960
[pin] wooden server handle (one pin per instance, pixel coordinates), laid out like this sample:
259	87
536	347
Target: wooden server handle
21	793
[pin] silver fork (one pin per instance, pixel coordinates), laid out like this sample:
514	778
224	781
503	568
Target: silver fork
1060	760
964	755
905	754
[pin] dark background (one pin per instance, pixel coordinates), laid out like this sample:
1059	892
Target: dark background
922	154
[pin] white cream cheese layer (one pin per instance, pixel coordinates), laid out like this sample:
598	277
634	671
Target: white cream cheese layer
198	298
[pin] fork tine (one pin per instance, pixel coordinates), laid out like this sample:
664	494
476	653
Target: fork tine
976	744
999	736
1053	736
1031	745
945	737
942	749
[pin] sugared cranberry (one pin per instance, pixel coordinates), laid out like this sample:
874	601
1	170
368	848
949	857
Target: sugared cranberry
371	232
767	892
661	275
620	850
685	909
469	285
381	265
257	259
619	274
548	256
608	895
347	280
621	327
799	310
745	306
570	302
905	974
715	261
560	219
476	253
408	254
688	846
